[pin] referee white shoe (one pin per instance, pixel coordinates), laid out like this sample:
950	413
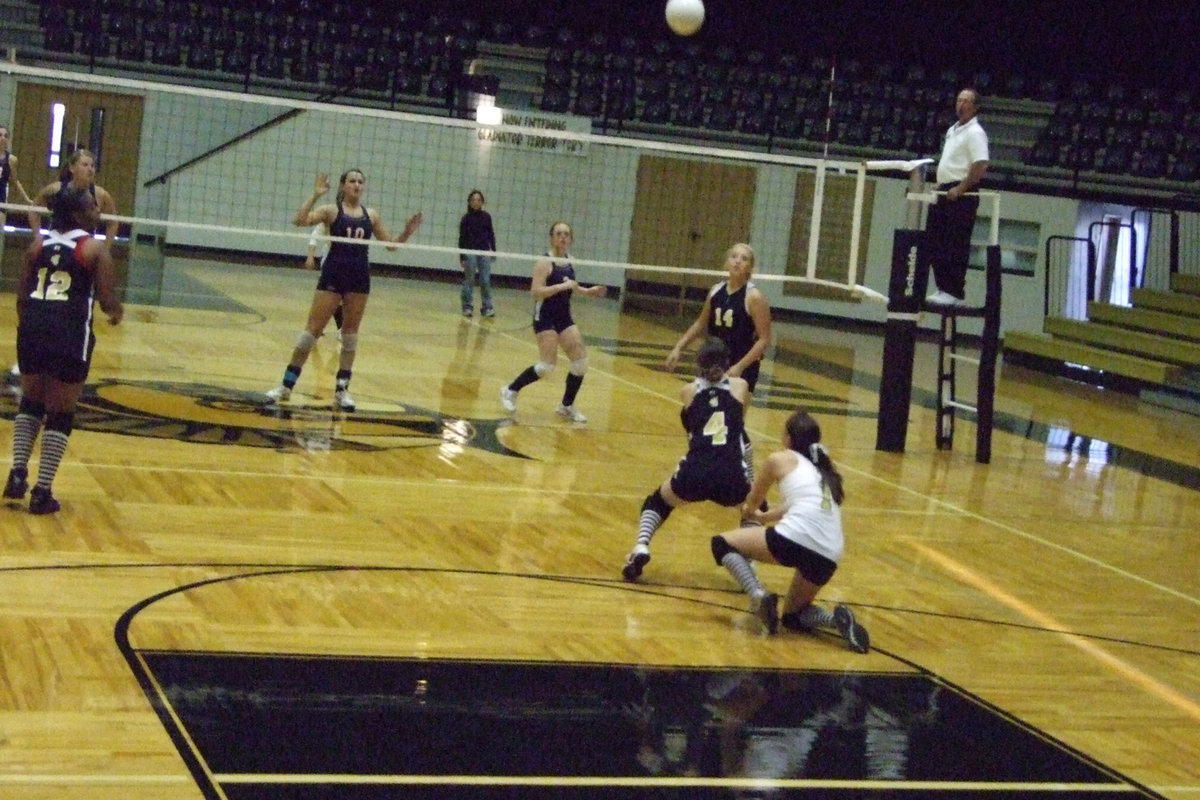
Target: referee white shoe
943	299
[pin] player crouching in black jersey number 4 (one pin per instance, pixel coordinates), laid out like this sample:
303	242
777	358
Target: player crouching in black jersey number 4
714	467
61	276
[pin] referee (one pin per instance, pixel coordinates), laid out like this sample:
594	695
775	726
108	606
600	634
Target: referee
951	219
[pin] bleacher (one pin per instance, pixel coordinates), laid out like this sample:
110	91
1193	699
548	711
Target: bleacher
403	55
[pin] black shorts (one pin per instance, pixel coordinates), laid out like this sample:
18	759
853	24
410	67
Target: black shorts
552	322
722	483
816	568
750	375
344	280
38	355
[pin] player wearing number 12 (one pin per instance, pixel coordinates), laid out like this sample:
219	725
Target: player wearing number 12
714	468
61	277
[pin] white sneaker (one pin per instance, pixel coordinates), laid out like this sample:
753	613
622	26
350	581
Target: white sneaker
571	413
638	558
943	299
279	394
508	399
343	400
15	371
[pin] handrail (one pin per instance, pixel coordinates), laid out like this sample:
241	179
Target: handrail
225	146
1091	269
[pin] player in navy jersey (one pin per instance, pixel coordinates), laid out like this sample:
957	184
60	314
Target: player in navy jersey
553	284
8	178
714	468
61	277
345	277
8	174
736	312
80	172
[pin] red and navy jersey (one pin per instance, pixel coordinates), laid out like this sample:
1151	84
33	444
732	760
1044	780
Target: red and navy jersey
59	308
730	320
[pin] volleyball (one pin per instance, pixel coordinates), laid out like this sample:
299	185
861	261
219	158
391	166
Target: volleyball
685	16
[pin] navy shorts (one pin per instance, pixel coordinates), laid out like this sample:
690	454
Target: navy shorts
344	280
39	356
721	482
552	322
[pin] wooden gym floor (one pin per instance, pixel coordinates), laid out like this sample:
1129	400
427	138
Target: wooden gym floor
423	598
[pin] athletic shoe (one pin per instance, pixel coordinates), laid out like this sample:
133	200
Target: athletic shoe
15	371
571	413
467	311
42	502
854	634
17	485
943	299
638	558
343	400
489	312
279	394
508	399
766	608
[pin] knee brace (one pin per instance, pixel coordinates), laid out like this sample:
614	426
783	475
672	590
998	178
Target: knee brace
61	421
578	367
31	407
543	368
658	505
305	341
349	342
720	548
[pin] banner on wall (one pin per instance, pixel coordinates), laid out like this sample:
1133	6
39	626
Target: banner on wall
526	130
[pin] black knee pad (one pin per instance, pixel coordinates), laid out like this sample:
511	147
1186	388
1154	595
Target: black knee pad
720	548
31	407
657	504
61	421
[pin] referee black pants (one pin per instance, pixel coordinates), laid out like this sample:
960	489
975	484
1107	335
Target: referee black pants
948	229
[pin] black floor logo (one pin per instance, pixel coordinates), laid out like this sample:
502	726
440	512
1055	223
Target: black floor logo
207	414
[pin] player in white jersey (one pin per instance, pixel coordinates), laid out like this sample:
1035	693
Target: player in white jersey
802	531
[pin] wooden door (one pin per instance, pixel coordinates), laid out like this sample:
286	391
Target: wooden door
110	123
686	214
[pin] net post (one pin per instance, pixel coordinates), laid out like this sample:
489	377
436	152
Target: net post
988	353
906	288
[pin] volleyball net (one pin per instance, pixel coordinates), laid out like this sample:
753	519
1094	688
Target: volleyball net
227	171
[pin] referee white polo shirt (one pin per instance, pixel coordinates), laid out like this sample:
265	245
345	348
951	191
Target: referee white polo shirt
965	144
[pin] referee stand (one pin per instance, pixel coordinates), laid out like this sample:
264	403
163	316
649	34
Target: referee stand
906	302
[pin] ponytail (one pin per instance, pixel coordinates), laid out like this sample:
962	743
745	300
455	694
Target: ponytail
804	436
